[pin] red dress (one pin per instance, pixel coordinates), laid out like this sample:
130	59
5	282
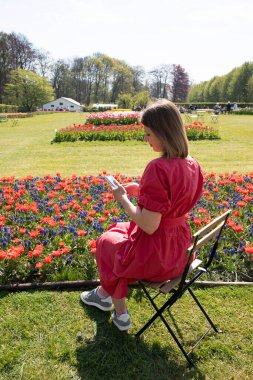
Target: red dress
125	253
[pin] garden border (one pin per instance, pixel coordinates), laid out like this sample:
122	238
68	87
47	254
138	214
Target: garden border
72	285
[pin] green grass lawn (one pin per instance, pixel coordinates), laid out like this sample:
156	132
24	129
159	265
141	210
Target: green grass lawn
26	149
51	336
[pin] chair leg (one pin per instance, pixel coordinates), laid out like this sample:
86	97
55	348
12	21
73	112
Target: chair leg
159	314
203	311
151	320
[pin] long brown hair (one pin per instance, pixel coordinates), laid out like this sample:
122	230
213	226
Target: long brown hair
164	119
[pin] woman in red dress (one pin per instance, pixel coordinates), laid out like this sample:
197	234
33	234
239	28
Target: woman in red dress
153	244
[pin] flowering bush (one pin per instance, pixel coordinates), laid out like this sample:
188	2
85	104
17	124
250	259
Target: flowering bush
48	226
134	131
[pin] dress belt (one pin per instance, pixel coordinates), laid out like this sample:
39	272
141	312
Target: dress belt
173	222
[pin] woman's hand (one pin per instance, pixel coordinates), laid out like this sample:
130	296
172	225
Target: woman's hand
147	220
132	188
119	193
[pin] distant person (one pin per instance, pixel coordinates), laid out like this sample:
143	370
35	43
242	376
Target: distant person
192	107
217	108
152	246
235	106
228	107
181	109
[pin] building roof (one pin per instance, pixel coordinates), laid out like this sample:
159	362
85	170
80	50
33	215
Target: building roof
71	100
62	97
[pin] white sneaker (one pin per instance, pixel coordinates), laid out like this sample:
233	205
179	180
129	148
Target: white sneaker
93	299
122	322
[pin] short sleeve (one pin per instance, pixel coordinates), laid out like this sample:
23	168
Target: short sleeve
154	189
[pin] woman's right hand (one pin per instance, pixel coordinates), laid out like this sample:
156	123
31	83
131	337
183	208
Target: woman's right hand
132	188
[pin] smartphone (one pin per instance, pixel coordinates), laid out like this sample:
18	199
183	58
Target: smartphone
110	179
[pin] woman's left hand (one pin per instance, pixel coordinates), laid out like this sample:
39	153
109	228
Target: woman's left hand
132	188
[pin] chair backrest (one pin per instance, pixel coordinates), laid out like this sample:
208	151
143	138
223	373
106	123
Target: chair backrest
211	230
203	236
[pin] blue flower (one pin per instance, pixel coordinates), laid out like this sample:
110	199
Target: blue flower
232	251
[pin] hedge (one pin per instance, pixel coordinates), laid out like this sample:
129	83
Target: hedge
212	104
8	108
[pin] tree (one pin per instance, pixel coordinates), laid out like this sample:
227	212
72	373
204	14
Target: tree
159	85
125	101
43	63
27	90
122	79
215	90
138	78
234	86
250	89
195	93
180	83
239	82
206	91
22	53
142	99
89	78
16	52
98	77
226	88
77	71
62	79
4	62
107	68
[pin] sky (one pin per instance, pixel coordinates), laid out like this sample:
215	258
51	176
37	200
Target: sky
207	38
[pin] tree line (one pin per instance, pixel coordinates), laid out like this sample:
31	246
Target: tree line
90	79
236	86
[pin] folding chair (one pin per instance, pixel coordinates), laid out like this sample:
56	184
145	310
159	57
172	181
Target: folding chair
214	118
201	115
178	286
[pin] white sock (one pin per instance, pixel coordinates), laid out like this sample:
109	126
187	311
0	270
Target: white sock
102	298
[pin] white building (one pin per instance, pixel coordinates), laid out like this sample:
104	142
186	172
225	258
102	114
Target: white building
104	106
63	104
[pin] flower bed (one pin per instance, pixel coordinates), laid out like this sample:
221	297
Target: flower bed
89	132
115	118
48	226
134	131
199	131
19	115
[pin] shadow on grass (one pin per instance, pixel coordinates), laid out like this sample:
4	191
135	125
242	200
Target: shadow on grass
3	294
108	353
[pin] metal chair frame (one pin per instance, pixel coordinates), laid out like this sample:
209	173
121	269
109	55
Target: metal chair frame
178	286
